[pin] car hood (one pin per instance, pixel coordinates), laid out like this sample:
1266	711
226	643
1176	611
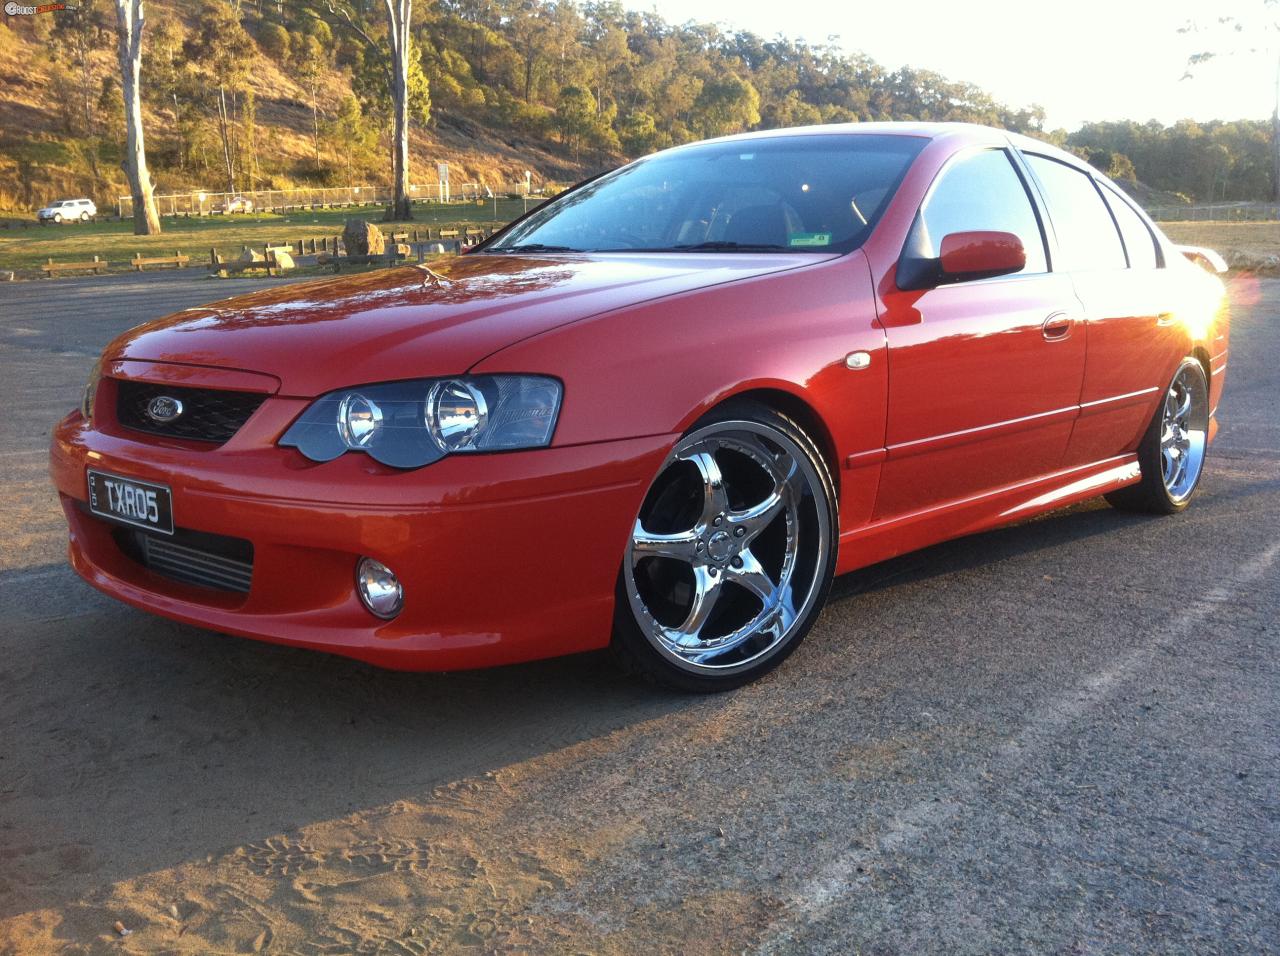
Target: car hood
413	322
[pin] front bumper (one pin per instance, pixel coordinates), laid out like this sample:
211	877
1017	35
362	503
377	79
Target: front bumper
504	558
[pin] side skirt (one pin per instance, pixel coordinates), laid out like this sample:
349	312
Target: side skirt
886	539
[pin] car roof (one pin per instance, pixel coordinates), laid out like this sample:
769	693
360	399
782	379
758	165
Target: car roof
960	134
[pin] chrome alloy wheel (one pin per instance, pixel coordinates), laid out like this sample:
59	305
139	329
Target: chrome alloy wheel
1183	432
727	553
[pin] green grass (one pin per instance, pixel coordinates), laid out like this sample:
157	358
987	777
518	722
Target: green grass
24	250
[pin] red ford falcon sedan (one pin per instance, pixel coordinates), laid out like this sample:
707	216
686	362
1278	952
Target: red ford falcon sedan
659	413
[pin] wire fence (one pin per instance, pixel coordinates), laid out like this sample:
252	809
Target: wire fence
1217	212
200	203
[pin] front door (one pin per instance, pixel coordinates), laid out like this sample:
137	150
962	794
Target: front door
985	375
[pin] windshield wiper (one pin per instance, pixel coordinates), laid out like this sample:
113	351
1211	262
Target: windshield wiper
721	245
532	247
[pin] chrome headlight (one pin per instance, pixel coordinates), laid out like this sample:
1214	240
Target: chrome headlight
413	423
90	391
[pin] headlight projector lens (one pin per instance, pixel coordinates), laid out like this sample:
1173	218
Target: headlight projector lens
456	412
359	419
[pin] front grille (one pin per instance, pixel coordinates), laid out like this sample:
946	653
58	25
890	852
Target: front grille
192	557
208	414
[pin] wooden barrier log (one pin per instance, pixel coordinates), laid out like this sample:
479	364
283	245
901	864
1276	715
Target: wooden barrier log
178	260
97	266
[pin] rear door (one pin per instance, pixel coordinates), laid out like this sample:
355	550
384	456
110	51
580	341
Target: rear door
984	375
1116	268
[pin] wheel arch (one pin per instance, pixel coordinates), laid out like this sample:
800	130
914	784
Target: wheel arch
793	406
1201	355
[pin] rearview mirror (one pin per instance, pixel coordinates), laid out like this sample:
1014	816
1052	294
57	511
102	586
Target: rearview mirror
980	255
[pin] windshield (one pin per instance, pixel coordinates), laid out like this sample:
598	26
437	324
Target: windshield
813	193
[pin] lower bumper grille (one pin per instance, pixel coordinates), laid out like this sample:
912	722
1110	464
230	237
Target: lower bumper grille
192	557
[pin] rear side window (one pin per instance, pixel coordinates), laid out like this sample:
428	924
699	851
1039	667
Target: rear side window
1087	236
980	192
1138	241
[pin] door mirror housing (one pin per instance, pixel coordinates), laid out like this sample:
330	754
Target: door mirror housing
962	257
980	255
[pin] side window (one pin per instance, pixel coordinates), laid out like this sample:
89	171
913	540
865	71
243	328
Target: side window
1087	236
1138	241
980	192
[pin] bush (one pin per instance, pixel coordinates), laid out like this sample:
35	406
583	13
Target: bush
274	41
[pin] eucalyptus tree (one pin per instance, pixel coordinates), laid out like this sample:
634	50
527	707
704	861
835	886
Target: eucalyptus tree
129	24
1255	36
394	53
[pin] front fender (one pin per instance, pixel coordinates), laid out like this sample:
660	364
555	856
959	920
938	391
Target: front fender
656	367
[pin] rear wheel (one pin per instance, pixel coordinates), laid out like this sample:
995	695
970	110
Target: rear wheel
84	216
1171	453
731	555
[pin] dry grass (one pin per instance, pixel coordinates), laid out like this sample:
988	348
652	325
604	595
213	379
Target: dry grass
23	250
1252	238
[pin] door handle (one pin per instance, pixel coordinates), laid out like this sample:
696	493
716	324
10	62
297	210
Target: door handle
1057	326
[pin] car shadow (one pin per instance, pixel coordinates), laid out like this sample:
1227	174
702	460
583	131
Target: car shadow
987	548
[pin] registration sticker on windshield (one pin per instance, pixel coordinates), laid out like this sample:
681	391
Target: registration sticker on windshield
809	239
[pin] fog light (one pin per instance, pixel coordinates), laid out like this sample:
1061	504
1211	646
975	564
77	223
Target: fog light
379	588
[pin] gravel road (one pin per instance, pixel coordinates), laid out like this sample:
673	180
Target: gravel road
1056	737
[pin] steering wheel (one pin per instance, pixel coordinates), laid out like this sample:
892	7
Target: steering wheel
630	238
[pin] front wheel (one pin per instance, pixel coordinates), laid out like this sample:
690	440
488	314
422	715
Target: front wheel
731	555
57	218
1171	453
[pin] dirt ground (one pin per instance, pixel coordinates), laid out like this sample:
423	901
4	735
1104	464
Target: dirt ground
1056	737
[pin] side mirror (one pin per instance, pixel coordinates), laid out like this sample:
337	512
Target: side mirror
980	255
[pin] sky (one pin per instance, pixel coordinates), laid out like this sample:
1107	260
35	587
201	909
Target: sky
1079	59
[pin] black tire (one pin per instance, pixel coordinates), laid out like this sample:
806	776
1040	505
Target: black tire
1152	495
57	219
84	217
637	653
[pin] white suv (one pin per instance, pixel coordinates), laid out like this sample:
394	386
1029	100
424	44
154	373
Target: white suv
68	209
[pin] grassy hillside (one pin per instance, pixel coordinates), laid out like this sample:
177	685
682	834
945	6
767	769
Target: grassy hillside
268	94
51	146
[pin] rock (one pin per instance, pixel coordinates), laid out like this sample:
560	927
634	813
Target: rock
6	275
283	260
403	250
436	248
252	255
361	238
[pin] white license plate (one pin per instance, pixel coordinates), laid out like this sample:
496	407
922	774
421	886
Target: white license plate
139	503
